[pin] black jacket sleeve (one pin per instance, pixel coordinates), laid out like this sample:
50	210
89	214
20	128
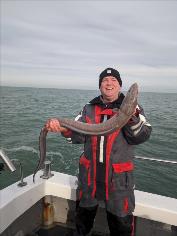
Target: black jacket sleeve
138	129
75	137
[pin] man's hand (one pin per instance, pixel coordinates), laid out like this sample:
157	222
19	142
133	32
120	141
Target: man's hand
53	125
136	112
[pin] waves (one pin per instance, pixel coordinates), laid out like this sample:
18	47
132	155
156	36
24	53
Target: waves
32	150
21	148
24	111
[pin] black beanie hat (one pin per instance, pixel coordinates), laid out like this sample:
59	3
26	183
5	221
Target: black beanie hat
110	72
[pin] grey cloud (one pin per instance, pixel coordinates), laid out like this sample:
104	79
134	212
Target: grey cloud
80	38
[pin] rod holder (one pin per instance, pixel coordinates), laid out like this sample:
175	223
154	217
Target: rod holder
21	183
47	170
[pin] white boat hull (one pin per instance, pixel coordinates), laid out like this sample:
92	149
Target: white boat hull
16	201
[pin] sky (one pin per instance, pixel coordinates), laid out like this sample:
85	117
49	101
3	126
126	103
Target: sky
67	44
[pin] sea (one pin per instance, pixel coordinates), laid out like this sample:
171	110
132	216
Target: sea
24	111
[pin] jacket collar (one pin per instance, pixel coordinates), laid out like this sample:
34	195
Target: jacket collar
116	104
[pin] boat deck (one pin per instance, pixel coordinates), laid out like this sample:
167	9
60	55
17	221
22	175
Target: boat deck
21	210
63	231
55	231
66	231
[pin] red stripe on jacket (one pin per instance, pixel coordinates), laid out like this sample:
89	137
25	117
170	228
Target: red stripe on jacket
84	161
109	144
94	148
126	206
110	140
122	167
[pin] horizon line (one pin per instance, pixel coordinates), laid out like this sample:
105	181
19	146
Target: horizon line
82	89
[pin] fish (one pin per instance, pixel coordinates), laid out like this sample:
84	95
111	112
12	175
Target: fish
121	117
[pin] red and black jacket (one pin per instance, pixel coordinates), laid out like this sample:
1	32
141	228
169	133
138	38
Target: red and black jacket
106	165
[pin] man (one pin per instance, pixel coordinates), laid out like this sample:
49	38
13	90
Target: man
106	166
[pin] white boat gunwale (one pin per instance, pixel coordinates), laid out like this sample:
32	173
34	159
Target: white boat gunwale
14	201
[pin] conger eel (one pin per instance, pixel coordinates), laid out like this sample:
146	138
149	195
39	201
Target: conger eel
123	115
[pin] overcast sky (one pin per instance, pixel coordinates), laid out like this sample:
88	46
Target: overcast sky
66	44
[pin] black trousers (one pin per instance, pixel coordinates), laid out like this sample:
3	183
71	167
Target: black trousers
118	226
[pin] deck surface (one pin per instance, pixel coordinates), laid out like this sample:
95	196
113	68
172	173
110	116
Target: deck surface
62	231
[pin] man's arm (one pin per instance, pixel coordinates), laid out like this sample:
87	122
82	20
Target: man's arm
53	125
138	129
75	137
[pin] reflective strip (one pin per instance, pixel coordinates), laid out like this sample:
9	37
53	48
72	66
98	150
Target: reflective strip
102	143
136	128
137	125
69	140
79	116
101	149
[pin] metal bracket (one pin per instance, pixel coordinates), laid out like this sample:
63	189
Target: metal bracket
47	170
7	161
21	183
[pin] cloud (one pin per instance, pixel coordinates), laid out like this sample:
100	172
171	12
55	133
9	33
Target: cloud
69	43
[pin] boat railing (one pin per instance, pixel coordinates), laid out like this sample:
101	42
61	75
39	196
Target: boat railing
156	160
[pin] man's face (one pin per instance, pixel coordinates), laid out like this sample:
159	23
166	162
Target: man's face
110	88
